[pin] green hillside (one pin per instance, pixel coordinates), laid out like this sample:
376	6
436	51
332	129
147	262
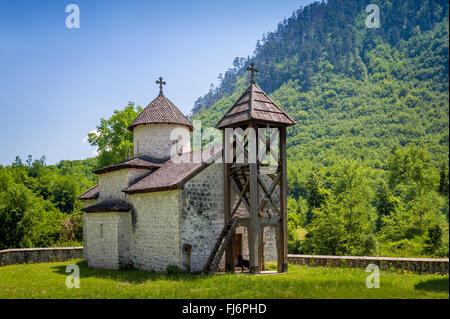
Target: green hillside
368	158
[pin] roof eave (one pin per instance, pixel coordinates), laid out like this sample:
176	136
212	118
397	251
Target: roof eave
80	197
190	127
238	124
151	190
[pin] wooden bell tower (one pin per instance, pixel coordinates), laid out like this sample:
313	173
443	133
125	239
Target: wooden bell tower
254	141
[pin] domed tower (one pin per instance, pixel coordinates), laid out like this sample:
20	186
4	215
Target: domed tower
161	131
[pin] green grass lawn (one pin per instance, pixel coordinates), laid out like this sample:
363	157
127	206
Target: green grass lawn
47	280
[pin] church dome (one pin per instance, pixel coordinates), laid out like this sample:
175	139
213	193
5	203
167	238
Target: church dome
161	110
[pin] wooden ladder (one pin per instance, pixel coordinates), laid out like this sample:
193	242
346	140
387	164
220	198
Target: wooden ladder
220	246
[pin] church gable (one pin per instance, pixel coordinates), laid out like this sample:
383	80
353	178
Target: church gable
112	184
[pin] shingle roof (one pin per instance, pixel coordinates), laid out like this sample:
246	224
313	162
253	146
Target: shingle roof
137	162
91	193
161	110
255	104
174	172
112	205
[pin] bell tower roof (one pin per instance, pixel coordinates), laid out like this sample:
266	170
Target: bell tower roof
254	105
161	110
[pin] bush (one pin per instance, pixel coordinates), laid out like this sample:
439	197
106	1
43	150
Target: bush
294	246
173	270
369	245
271	266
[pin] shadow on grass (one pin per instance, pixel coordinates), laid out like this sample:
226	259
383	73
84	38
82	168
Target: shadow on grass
131	276
435	285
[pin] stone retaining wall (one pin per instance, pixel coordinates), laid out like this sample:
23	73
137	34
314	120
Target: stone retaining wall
419	265
37	255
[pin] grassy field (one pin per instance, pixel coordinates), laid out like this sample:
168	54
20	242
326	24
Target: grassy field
47	280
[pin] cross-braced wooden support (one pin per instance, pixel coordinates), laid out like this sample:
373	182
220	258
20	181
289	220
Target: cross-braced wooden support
254	184
251	184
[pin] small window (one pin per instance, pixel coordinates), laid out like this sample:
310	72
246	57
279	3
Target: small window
101	230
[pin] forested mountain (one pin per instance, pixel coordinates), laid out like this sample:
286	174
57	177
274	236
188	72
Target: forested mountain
369	153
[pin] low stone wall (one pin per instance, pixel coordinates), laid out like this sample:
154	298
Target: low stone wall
419	265
38	255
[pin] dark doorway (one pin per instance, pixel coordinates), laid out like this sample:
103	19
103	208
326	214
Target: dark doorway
237	246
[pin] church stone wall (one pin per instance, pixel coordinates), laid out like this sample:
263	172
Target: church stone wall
112	183
154	140
101	249
155	234
89	202
270	245
124	238
202	214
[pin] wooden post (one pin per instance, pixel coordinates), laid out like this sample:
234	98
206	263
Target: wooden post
255	227
229	252
282	264
187	249
279	245
261	250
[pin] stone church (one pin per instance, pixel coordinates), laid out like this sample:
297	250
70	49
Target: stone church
153	210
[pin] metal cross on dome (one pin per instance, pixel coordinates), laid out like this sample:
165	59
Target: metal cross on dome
161	83
253	70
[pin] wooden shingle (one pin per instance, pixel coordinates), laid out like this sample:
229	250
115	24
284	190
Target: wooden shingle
254	105
161	110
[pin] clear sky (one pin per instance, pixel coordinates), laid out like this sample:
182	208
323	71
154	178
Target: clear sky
56	83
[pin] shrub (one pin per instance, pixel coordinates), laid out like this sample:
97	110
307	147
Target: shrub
173	270
271	266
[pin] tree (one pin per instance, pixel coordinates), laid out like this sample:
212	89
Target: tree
434	240
410	167
17	161
342	223
326	232
64	193
317	195
25	220
444	181
112	137
412	220
385	202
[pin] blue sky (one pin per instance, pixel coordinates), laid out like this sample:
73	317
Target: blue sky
56	83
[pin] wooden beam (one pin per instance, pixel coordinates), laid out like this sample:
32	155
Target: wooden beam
254	231
238	191
229	253
240	199
283	198
270	221
268	195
